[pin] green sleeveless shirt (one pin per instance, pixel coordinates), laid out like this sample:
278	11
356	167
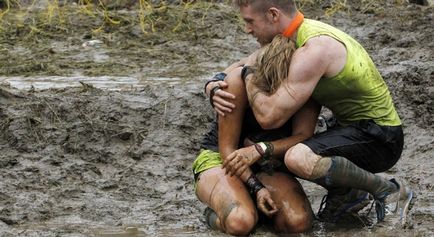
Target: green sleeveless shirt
358	92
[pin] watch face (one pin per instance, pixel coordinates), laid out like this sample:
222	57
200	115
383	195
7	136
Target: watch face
220	76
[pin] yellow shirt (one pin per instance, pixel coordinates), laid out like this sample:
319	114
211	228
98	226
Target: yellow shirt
358	92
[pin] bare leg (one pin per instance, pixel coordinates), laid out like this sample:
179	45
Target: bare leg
228	197
295	213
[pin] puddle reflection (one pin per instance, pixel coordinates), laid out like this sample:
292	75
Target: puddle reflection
102	82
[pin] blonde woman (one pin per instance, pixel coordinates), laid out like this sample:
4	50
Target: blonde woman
229	195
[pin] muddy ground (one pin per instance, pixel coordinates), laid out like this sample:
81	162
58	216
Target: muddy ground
101	159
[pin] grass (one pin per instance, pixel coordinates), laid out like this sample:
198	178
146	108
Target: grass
151	16
47	40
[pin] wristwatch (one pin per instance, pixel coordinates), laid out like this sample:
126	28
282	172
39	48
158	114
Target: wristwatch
220	76
217	77
246	71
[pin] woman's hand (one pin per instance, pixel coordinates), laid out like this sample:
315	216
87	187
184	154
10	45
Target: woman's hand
238	161
265	202
220	99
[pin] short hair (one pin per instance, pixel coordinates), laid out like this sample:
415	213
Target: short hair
287	6
272	65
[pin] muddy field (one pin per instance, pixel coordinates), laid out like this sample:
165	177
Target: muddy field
112	155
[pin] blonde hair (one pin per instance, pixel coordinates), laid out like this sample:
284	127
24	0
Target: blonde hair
272	65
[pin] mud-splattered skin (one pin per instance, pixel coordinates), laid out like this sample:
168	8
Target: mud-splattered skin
73	161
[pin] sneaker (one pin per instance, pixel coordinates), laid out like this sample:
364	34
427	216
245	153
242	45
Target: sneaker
394	203
338	205
210	218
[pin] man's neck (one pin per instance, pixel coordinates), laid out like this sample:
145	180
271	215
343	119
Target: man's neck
290	25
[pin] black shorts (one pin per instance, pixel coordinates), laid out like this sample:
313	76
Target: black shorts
370	146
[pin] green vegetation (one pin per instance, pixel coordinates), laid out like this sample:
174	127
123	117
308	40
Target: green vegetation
44	37
53	18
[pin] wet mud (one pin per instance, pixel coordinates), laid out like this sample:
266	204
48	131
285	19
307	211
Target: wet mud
84	158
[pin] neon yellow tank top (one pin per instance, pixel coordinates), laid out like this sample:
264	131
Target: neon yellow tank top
358	92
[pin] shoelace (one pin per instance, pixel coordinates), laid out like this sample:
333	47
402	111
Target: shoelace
322	205
380	208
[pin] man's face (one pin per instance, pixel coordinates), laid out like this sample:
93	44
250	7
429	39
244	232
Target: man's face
259	24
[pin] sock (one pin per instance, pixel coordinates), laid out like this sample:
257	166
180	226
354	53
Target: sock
339	172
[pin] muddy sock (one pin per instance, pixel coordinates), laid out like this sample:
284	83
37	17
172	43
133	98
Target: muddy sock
343	173
319	172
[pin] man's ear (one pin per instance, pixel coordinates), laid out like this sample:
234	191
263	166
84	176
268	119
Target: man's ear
273	14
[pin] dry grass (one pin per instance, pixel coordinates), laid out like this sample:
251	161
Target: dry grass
151	16
22	20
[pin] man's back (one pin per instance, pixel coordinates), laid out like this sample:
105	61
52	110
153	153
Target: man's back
357	91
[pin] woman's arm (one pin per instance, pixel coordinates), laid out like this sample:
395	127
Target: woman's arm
303	126
230	126
229	136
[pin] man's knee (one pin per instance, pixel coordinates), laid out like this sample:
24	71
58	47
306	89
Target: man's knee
294	223
240	222
301	160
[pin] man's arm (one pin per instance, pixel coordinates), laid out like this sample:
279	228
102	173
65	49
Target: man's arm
309	63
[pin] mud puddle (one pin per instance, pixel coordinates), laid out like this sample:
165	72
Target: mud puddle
100	82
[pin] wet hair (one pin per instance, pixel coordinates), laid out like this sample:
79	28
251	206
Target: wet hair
287	6
272	65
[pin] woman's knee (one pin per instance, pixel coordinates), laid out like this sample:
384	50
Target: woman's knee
240	222
294	223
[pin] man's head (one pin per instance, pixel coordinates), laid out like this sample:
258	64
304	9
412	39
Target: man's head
266	18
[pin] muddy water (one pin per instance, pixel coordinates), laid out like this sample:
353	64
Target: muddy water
111	156
100	82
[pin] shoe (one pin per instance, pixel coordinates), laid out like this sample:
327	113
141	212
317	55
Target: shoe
394	203
210	218
338	205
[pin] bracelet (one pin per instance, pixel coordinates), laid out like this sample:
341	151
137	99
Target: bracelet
246	71
206	84
269	151
260	147
220	76
265	149
217	77
254	184
212	93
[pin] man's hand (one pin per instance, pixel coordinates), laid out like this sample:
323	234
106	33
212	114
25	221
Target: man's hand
220	98
265	202
238	161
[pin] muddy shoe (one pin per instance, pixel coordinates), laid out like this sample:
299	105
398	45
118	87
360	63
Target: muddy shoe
210	218
338	205
396	203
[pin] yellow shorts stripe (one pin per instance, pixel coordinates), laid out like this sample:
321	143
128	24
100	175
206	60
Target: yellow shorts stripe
206	159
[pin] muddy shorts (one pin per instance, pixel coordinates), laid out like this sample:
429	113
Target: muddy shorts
206	159
370	146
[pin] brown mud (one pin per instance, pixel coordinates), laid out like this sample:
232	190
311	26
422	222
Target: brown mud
91	160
